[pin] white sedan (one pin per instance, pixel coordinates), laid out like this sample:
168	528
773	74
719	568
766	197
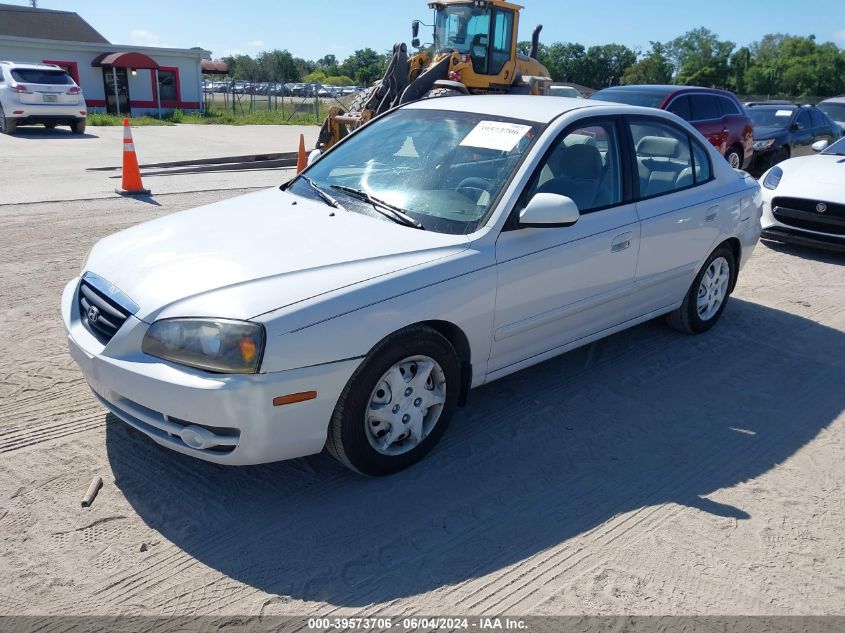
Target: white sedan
804	199
446	244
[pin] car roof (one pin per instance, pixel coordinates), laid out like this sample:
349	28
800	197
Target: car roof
31	65
529	108
664	89
837	99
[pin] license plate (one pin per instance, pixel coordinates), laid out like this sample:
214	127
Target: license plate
51	98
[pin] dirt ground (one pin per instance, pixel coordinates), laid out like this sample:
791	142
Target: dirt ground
649	473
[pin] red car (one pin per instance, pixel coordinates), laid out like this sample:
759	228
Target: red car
717	114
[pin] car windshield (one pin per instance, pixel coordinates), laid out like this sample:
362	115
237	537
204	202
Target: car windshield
771	116
835	111
39	76
631	97
443	169
837	149
461	27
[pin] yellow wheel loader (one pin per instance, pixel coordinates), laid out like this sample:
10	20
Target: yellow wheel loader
474	52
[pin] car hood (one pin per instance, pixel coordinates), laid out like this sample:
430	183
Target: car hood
763	132
818	177
311	247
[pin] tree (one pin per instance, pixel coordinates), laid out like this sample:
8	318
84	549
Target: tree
605	65
653	68
700	58
365	65
278	66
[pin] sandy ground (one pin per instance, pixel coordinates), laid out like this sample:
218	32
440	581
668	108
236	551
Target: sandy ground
649	473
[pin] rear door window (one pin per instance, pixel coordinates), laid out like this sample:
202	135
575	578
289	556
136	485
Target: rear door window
681	107
664	160
704	107
39	76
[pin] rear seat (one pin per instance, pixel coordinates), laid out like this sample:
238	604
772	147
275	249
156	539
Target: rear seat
661	165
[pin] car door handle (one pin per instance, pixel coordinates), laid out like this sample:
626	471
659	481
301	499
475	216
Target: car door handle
712	212
620	242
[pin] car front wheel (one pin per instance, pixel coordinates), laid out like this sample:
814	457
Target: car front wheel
397	404
734	157
707	297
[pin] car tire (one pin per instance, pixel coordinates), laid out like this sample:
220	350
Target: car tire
708	295
735	157
7	126
442	92
78	127
371	425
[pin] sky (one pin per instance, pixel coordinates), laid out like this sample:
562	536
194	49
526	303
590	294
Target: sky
313	28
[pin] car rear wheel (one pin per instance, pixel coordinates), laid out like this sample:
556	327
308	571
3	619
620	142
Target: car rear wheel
708	295
78	127
397	404
7	126
734	157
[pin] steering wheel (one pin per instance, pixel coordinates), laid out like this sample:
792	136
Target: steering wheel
474	187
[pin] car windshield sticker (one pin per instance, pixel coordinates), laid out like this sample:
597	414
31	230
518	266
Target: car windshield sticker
783	113
496	135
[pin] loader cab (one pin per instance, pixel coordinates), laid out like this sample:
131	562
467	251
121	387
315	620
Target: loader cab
483	32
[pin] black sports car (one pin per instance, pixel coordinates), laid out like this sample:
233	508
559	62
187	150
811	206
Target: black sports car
783	131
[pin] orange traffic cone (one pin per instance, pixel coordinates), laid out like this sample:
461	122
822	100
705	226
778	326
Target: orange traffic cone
301	159
132	185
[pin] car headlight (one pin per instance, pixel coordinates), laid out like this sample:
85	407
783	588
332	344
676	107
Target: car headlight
764	144
218	345
772	179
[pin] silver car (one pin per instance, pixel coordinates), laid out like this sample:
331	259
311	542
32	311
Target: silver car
32	94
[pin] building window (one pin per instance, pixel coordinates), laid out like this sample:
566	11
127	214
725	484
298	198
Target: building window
167	85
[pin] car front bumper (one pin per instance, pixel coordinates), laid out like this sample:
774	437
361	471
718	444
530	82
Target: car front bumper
226	419
773	229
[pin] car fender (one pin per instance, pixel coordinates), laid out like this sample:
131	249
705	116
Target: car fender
348	323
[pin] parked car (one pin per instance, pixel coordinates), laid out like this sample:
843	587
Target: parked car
717	114
39	94
804	199
783	131
835	109
442	246
565	91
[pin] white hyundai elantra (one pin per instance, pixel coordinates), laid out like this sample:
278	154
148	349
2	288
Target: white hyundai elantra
444	245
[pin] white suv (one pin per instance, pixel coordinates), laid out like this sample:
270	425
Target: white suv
39	93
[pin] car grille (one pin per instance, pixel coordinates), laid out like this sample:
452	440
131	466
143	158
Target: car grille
101	315
803	213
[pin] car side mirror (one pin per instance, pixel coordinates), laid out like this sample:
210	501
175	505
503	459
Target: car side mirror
796	127
820	146
313	156
546	210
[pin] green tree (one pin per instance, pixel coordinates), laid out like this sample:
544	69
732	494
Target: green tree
605	65
700	58
365	65
277	66
653	68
